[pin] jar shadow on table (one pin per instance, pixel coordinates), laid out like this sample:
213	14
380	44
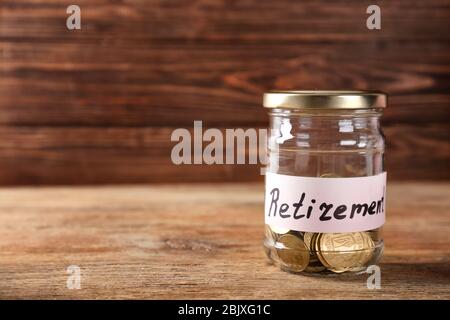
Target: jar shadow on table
392	273
419	273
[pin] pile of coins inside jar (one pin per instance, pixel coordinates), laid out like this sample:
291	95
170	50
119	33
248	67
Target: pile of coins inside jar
297	251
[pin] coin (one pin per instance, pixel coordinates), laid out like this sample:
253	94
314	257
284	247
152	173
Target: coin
292	252
314	263
368	252
316	248
375	234
307	238
340	252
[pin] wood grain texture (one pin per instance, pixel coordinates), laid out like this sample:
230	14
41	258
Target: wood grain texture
221	85
225	20
200	241
143	65
74	155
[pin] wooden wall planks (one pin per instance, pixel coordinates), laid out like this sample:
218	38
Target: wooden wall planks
98	105
77	155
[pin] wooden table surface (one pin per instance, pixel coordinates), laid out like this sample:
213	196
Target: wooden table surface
199	241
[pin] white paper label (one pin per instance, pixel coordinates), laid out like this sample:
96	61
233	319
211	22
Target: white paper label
325	204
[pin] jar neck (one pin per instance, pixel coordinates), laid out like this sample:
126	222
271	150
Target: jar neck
344	120
328	129
327	112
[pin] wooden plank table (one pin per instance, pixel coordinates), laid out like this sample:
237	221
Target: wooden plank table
199	241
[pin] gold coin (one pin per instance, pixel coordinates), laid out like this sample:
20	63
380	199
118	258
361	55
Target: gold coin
314	264
307	238
279	230
340	252
368	252
343	251
292	253
316	248
375	234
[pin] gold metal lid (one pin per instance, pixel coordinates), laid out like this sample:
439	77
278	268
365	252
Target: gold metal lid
324	99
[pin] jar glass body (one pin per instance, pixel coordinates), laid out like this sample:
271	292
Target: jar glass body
326	144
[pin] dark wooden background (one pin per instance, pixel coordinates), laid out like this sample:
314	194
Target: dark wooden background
98	105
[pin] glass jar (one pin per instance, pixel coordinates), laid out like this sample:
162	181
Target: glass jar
325	182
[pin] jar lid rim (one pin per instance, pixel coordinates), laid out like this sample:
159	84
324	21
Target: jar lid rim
325	99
